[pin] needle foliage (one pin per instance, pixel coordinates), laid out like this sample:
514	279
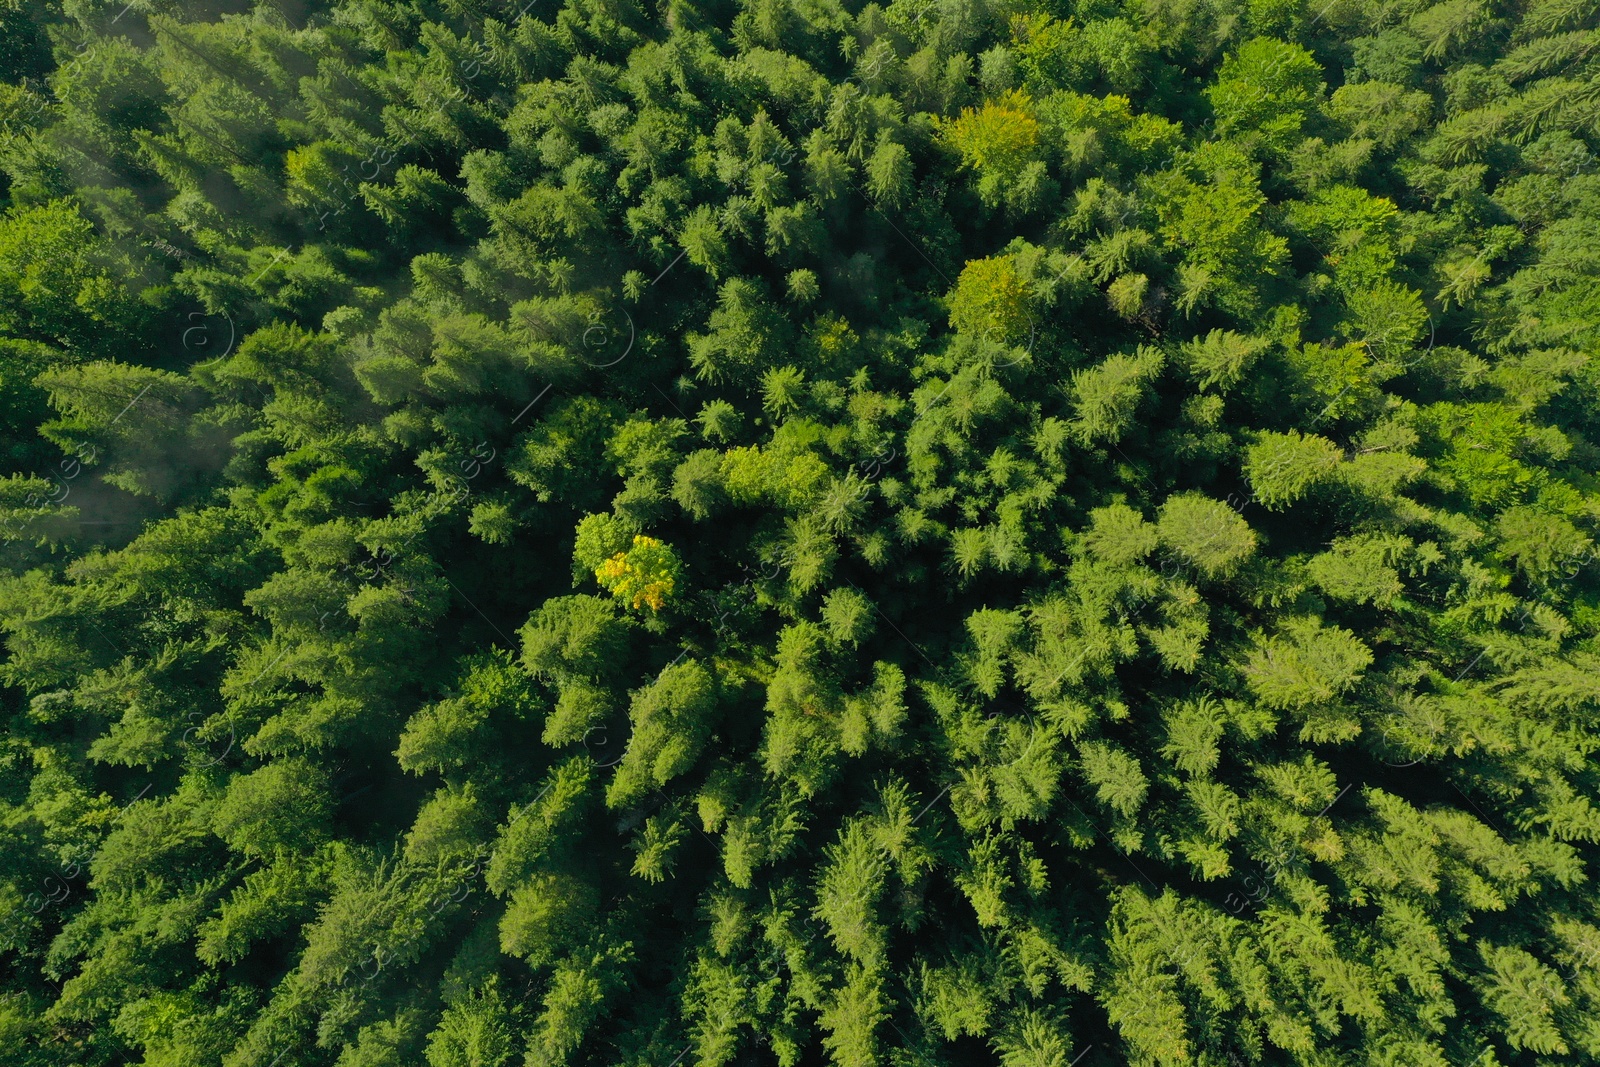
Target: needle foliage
810	533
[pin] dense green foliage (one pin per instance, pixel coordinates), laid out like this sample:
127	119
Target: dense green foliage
800	532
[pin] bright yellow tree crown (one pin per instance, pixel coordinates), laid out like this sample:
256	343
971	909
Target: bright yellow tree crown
646	574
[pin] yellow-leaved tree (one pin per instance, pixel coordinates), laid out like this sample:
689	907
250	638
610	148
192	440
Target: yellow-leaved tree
1000	142
991	300
645	574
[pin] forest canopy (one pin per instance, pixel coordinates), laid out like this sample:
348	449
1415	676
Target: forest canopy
810	533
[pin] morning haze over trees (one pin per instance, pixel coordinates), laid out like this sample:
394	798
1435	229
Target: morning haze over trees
724	533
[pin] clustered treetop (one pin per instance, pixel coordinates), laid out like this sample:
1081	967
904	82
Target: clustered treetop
586	533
